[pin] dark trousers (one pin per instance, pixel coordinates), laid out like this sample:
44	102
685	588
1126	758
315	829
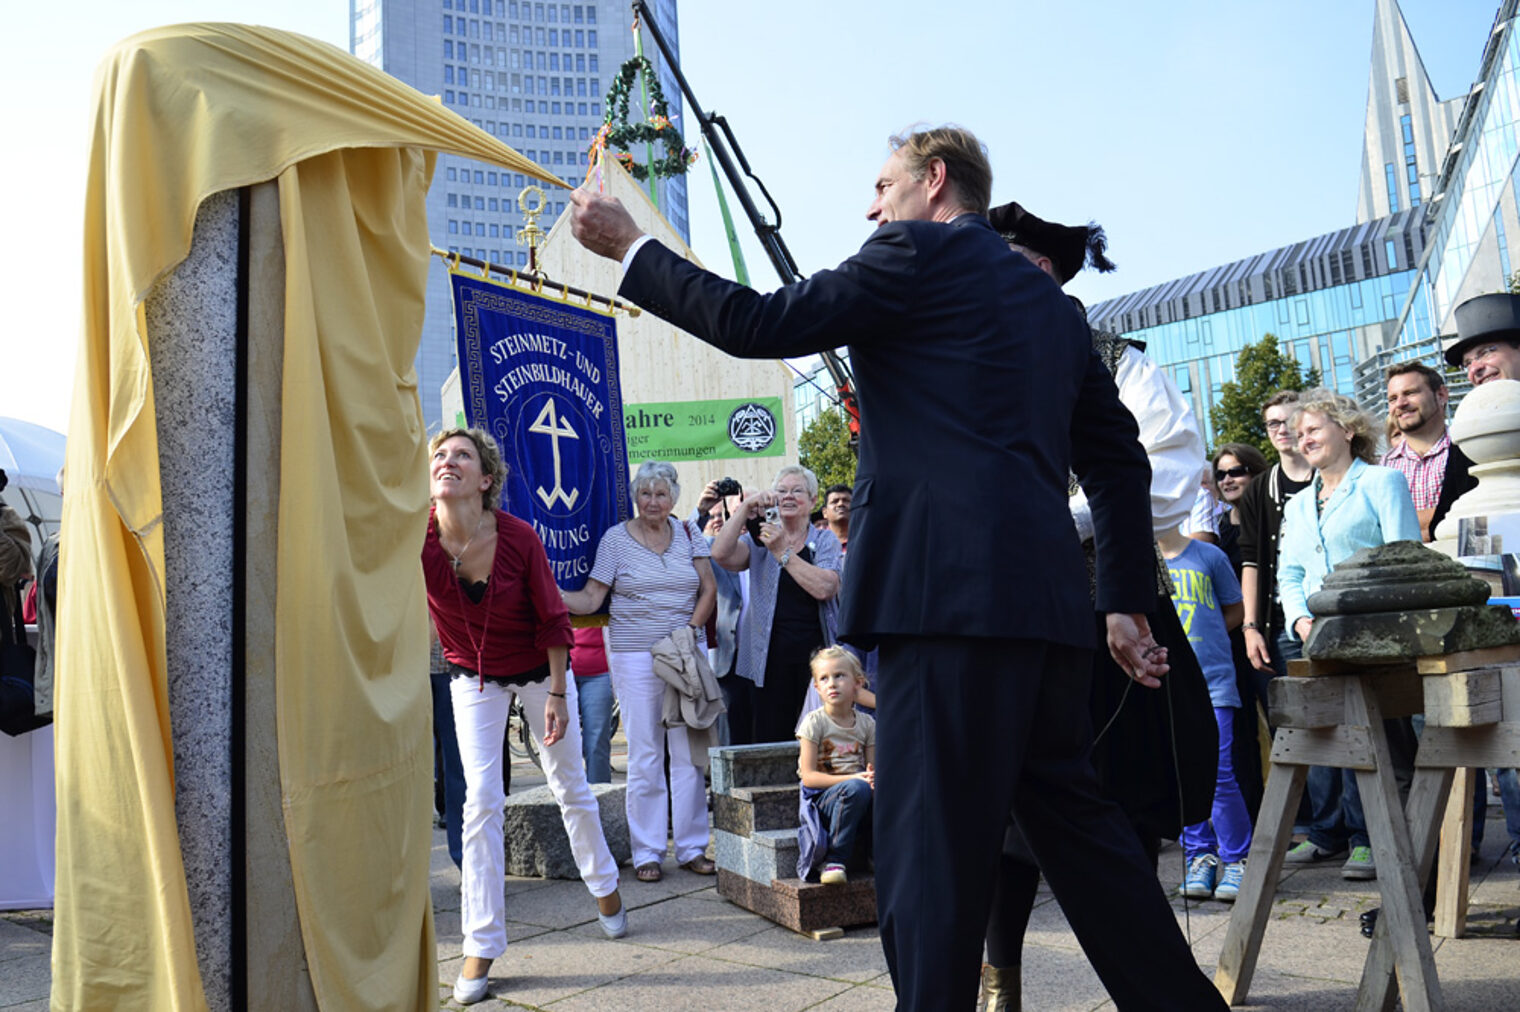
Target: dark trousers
967	730
449	773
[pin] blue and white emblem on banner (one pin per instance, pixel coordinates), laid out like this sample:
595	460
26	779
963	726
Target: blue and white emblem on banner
542	377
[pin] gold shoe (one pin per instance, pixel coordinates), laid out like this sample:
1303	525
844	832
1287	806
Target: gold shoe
1000	988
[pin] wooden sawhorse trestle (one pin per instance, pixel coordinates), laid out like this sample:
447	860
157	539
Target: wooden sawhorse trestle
1334	717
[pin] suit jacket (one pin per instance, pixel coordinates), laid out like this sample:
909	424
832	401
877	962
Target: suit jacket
977	383
1456	482
1371	506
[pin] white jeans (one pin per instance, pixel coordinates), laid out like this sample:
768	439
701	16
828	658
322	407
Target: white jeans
480	718
640	694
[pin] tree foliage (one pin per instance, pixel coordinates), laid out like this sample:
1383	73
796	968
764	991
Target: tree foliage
824	448
1261	370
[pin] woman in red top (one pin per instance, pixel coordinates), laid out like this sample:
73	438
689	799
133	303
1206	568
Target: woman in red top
504	632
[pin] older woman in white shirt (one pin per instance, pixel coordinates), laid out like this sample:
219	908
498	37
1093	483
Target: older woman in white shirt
658	572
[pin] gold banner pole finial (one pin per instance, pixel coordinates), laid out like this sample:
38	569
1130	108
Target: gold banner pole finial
530	234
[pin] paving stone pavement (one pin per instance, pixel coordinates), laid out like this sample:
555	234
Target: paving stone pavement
687	948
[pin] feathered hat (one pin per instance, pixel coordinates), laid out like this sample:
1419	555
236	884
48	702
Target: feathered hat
1069	247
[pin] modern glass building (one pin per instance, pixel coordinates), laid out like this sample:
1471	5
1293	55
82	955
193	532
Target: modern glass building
533	74
1472	219
1332	301
1437	205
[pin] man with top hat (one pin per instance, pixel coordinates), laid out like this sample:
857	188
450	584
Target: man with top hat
1487	346
968	362
1134	759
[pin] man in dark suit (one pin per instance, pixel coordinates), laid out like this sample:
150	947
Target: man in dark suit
970	365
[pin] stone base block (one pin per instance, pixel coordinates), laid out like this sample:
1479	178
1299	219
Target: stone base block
1396	636
748	810
536	842
762	857
803	906
752	766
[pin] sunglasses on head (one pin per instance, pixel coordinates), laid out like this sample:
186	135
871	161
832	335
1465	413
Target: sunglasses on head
1239	471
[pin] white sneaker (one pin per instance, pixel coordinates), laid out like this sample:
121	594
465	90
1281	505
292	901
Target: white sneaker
614	925
468	991
833	875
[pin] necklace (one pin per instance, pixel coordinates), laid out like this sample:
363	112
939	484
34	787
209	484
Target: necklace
479	646
458	560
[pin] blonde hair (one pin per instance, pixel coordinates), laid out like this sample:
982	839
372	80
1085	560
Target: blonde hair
843	656
491	463
1343	411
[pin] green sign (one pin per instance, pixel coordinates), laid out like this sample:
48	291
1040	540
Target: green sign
705	430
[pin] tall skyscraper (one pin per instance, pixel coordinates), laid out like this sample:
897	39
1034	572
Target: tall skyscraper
1408	127
1438	222
535	75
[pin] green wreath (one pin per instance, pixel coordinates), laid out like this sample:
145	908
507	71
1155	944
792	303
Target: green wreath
623	135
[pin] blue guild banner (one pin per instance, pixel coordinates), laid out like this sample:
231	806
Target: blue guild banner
542	377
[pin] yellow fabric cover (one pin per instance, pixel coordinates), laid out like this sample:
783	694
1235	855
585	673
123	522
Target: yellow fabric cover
182	113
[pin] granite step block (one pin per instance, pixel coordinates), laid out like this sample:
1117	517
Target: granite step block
804	906
767	855
752	766
747	810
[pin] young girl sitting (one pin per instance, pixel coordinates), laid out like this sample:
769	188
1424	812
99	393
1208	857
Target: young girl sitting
837	753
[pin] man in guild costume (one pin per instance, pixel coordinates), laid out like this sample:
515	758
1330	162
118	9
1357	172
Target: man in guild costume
1138	731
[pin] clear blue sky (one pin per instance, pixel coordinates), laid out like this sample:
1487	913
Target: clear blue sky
1196	131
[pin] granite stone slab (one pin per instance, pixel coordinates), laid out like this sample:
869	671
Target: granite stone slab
762	857
192	331
748	809
804	906
535	837
856	957
1404	635
702	985
768	765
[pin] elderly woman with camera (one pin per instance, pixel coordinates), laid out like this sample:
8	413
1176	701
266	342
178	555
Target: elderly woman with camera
793	591
657	570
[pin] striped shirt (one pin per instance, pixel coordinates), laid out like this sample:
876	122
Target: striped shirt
1424	472
652	595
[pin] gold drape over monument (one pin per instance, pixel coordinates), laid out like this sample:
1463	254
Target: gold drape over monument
183	113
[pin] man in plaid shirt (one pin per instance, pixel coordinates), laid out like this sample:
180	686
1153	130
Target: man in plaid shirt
1423	451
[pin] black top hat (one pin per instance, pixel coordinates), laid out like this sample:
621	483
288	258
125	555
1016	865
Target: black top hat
1068	246
1494	317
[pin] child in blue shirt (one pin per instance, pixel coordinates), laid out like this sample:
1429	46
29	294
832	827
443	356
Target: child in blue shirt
1207	597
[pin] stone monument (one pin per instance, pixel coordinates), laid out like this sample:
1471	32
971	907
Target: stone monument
1487	428
1400	601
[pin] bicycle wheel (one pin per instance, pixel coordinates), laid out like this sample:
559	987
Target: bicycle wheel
520	740
517	731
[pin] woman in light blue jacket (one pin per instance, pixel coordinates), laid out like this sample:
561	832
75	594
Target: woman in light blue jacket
1351	504
1354	504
